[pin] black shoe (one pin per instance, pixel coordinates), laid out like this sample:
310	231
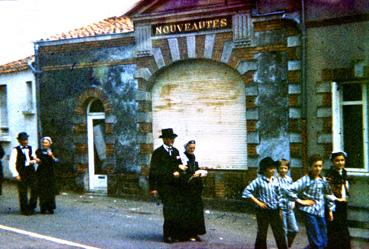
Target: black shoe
198	239
168	240
31	212
51	211
28	212
43	211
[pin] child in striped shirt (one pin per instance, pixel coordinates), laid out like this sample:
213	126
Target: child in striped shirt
264	192
312	192
288	216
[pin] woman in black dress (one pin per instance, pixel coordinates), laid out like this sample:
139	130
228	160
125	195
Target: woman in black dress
46	176
193	206
338	233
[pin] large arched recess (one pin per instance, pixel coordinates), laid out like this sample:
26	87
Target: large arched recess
202	100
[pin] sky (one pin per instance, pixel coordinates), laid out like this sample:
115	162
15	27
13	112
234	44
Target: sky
24	21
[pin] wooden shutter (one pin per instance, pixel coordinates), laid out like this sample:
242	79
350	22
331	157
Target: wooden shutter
205	101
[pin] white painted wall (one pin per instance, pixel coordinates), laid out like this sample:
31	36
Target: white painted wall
20	116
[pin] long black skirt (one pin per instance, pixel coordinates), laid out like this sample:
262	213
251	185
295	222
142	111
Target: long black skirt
337	230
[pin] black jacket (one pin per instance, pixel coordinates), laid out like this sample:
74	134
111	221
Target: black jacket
21	162
162	167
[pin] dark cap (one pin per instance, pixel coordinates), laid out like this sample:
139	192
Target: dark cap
167	133
22	136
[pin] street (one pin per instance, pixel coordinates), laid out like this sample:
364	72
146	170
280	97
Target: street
86	221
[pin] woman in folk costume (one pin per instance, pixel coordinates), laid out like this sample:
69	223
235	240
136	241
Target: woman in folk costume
46	176
192	185
338	232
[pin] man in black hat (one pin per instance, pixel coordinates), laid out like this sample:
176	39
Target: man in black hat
21	165
165	169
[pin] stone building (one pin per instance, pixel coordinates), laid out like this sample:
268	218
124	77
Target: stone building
216	72
245	79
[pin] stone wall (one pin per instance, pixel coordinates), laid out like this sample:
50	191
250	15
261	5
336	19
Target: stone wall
73	75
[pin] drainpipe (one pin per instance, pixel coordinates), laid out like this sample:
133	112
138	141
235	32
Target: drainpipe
304	88
37	72
33	69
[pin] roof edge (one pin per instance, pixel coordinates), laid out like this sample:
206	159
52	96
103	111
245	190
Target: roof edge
16	66
104	37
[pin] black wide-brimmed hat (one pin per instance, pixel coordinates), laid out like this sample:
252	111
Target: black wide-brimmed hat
167	133
22	136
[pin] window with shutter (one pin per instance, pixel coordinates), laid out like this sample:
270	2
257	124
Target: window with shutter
205	101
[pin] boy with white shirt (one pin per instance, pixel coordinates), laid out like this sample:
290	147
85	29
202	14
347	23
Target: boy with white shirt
289	222
22	166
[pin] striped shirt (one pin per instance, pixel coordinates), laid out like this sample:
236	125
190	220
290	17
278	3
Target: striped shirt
317	189
285	184
263	190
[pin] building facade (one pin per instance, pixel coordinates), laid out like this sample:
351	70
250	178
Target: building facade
18	108
245	79
216	72
336	68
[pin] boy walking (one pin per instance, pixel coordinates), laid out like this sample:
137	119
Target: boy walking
288	216
21	165
264	192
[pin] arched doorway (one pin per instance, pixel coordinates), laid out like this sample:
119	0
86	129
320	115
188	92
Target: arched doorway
96	146
203	100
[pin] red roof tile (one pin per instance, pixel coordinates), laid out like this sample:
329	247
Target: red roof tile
112	25
16	66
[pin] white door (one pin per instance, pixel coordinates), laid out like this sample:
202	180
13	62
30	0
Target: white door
96	151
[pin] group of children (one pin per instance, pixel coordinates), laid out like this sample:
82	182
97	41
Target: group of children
275	196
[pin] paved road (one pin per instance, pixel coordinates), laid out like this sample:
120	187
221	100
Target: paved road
85	221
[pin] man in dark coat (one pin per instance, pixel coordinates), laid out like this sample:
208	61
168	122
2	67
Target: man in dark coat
21	165
164	179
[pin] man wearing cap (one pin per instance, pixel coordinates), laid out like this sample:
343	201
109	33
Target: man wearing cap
22	166
165	170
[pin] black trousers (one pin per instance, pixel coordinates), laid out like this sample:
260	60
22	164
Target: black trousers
264	217
27	183
338	232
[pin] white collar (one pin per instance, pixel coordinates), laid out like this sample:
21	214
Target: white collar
166	147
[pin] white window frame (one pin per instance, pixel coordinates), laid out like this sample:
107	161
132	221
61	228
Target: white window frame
29	97
4	124
337	122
